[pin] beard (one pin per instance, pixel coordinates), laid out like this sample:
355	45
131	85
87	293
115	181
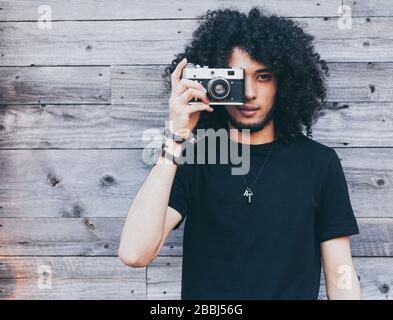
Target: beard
253	127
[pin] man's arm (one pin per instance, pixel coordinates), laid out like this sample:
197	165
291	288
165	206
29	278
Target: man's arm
341	278
149	220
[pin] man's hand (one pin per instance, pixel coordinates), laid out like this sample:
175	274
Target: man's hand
183	117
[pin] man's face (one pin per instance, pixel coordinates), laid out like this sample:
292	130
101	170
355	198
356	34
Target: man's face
260	91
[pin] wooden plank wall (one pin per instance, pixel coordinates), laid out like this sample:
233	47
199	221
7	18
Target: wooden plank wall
76	98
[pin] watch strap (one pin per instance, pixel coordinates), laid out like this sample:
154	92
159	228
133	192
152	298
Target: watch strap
169	156
175	137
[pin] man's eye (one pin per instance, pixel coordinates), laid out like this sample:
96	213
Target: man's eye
264	76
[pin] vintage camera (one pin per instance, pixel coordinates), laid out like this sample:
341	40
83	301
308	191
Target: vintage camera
224	86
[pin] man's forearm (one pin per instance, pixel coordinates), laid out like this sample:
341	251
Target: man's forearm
144	225
341	288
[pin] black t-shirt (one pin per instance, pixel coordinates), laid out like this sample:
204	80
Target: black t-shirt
271	248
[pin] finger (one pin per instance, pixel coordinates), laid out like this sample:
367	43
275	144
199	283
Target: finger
185	84
191	93
176	74
200	107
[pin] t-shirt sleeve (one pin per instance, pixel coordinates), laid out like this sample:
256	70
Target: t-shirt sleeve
335	217
179	196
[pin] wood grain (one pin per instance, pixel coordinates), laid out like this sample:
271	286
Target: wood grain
155	9
347	82
119	42
40	85
135	125
79	102
144	85
105	278
100	237
70	278
103	183
370	8
376	274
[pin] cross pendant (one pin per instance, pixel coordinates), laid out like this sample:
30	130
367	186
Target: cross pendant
248	193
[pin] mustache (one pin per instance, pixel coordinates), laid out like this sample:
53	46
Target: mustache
253	127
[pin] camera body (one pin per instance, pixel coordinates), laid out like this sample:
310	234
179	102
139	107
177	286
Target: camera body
225	86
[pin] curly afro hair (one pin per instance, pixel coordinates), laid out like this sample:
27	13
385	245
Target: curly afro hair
277	42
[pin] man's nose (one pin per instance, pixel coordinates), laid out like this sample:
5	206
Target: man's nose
249	90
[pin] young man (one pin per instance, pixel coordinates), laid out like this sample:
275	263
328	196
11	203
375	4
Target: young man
267	245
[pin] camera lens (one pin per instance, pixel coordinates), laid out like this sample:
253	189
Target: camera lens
218	88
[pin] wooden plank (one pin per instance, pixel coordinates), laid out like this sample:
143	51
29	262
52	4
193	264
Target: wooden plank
55	85
74	289
359	43
348	82
368	181
102	183
164	275
353	124
155	9
156	41
370	8
356	124
376	274
64	183
360	82
93	42
375	238
65	236
144	86
100	236
140	85
79	126
105	278
39	236
70	278
19	268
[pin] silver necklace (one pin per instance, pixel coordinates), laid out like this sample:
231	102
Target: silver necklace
248	191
